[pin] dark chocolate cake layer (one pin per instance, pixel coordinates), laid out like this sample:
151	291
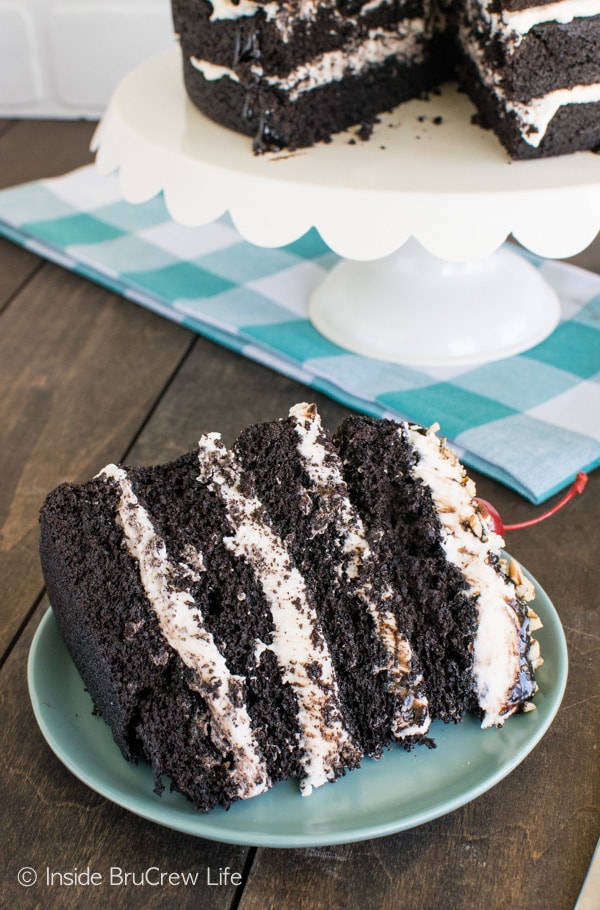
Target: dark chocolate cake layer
403	528
550	56
417	504
98	630
498	6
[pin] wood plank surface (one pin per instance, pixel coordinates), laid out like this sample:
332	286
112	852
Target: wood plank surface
17	266
76	391
36	149
88	377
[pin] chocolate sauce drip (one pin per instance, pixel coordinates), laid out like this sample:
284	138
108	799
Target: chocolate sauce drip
247	42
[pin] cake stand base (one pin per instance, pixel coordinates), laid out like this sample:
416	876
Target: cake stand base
413	308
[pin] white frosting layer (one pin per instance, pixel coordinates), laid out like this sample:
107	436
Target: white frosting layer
334	66
283	14
297	642
468	545
181	624
324	471
225	9
325	474
517	23
212	72
535	117
373	4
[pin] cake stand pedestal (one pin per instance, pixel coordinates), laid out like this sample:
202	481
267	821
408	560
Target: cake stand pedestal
418	213
435	312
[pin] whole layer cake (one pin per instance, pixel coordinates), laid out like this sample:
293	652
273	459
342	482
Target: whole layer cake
293	73
283	608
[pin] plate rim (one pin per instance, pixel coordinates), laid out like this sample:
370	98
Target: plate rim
207	825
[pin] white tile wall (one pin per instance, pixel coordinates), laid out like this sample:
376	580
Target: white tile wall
63	58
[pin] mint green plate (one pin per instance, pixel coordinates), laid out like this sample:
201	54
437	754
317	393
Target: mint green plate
400	791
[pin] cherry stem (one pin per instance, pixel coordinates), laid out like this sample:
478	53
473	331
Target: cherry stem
577	487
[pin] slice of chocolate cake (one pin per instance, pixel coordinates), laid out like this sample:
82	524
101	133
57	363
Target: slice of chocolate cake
284	608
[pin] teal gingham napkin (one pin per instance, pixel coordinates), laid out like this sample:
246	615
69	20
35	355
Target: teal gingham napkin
531	421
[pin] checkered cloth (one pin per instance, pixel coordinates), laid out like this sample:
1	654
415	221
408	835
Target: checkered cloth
531	421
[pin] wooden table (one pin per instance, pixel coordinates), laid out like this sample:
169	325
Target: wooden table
87	378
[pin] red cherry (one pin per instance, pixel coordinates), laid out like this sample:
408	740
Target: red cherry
491	517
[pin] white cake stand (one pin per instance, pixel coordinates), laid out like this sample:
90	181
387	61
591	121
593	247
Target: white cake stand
419	214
